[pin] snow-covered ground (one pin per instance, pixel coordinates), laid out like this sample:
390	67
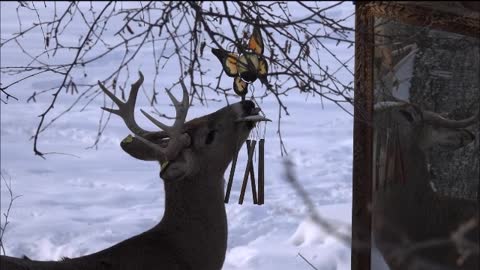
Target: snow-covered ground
75	205
72	206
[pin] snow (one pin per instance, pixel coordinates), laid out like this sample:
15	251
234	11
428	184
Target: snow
76	205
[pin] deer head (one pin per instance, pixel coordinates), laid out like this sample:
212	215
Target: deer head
426	128
408	133
185	148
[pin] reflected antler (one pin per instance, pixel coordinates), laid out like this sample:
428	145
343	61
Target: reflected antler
428	116
438	120
178	139
387	105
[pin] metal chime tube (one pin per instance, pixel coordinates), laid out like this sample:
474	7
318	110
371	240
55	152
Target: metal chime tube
261	171
247	170
252	172
230	178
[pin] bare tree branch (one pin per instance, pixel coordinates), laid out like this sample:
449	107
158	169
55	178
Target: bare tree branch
296	48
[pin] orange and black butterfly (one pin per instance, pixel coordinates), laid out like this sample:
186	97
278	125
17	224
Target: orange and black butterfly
247	67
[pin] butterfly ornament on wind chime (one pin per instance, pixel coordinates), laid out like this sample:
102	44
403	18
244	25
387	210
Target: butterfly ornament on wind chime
246	67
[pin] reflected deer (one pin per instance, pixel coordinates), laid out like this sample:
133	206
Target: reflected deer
193	156
412	224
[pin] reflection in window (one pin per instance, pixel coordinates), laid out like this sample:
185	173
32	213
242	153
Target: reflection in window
425	154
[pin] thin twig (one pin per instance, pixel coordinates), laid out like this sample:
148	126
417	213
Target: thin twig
6	215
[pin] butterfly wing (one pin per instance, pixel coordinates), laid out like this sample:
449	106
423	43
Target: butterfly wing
239	86
230	64
262	68
228	60
256	41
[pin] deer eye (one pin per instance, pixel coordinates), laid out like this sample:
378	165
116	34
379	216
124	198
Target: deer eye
407	115
210	137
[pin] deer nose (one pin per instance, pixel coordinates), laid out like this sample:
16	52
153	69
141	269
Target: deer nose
251	113
248	107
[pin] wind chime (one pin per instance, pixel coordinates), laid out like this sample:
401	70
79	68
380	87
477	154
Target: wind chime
246	67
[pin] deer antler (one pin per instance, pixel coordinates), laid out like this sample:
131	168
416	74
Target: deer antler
126	110
178	139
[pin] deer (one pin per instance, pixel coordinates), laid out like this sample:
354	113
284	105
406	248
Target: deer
415	227
193	157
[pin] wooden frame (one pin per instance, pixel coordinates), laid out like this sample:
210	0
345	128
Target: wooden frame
466	22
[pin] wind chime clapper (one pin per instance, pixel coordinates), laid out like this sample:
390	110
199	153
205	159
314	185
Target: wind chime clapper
246	67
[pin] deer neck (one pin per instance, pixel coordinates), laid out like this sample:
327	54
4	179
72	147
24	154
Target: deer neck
418	177
195	219
399	199
197	197
414	179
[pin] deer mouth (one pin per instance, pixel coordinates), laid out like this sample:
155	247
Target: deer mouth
253	117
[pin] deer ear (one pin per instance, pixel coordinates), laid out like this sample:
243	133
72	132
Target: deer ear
407	115
174	171
179	168
137	149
